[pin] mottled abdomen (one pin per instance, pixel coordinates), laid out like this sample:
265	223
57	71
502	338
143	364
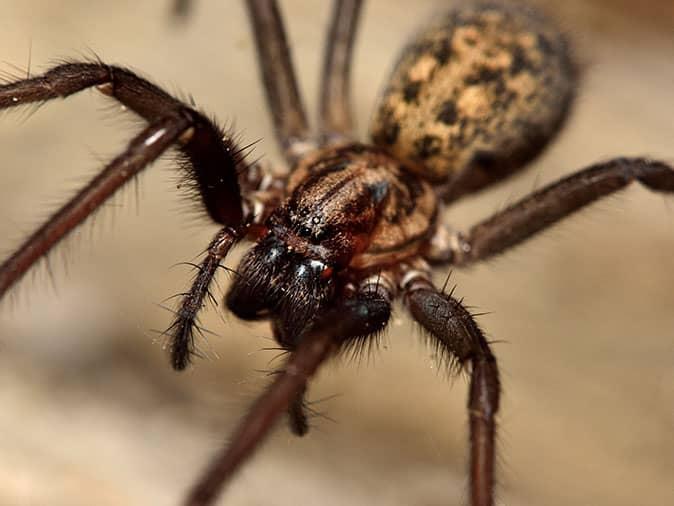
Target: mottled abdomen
476	95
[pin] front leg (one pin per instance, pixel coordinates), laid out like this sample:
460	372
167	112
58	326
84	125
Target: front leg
335	120
141	151
278	76
453	328
211	160
353	318
547	206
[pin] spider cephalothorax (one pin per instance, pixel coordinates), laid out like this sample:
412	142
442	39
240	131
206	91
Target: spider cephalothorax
349	209
349	227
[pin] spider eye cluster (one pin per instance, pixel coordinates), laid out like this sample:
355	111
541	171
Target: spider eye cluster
305	231
310	226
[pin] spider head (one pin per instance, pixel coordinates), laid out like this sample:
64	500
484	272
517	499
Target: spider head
289	276
277	279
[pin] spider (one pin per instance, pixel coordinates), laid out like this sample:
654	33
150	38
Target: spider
353	226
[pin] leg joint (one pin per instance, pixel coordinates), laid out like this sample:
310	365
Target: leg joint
485	388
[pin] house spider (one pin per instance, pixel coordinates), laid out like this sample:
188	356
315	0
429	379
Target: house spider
354	226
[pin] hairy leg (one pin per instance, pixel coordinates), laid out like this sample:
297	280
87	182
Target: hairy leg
141	151
456	334
354	318
547	206
211	160
278	76
181	331
374	295
335	123
181	8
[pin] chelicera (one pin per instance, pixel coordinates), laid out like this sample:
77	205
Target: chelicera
351	226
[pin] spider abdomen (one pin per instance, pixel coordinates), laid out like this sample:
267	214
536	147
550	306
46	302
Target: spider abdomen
476	95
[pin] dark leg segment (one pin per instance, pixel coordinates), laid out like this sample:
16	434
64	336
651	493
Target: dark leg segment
181	8
357	317
278	75
142	150
558	200
334	110
298	421
365	317
182	329
212	162
457	334
297	416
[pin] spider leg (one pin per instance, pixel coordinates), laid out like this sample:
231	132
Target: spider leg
453	328
181	8
142	150
364	314
297	416
212	161
381	285
278	75
262	190
335	122
298	421
181	331
549	205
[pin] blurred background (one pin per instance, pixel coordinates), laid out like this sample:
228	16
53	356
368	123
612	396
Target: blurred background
584	315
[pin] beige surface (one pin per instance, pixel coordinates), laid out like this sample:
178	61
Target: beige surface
91	413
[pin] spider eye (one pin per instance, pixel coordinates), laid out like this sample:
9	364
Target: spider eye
324	233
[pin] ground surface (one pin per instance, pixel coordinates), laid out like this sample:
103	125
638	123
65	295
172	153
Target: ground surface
91	413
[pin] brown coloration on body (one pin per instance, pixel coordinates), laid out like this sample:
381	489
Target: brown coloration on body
473	98
360	205
349	210
476	95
